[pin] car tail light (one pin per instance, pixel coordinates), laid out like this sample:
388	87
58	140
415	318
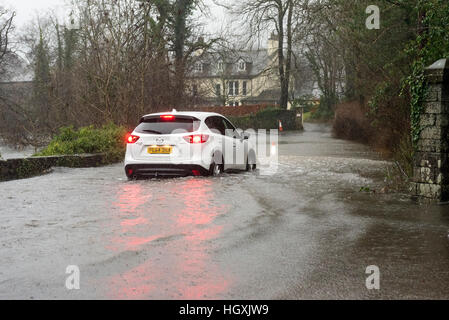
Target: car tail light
131	138
167	117
200	138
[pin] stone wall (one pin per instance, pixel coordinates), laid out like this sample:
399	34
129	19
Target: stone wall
431	163
28	167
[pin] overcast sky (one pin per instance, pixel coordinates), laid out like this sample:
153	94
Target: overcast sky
29	9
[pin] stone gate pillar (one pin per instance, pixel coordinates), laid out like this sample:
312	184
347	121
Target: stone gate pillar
431	163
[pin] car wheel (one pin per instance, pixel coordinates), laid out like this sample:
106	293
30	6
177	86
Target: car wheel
250	166
216	169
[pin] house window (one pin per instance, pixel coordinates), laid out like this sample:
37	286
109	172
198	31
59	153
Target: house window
242	65
198	67
233	103
220	66
233	88
218	90
244	89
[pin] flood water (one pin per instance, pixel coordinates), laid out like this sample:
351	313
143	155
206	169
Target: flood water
304	232
7	152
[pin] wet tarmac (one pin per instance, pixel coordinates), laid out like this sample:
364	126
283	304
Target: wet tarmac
306	232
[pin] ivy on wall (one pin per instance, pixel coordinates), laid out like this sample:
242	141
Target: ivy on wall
417	86
430	45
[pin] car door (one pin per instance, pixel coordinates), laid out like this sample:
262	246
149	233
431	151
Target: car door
238	145
216	125
227	144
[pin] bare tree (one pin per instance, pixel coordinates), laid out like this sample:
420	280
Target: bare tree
261	16
6	27
321	46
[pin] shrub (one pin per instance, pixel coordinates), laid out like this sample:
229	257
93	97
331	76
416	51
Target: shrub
352	123
108	139
267	119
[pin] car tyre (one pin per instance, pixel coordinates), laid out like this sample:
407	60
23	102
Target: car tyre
250	167
216	169
133	177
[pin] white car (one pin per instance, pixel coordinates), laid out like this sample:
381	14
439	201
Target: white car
187	143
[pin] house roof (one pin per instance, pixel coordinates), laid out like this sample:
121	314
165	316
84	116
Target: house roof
257	61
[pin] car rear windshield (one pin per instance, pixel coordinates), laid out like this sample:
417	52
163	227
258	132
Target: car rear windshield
158	125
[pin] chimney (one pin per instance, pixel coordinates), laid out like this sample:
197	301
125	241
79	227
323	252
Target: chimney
199	52
273	43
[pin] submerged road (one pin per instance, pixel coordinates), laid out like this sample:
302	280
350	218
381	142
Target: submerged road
306	232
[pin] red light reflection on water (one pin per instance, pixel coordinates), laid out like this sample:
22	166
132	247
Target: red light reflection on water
171	233
130	197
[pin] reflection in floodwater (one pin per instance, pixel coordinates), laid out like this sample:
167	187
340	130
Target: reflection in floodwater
129	200
304	232
144	224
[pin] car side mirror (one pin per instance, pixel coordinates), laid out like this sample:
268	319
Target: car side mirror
238	134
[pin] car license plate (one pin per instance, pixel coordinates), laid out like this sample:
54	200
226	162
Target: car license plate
160	150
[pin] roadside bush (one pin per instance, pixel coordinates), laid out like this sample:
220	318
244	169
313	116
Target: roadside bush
351	123
267	119
228	111
108	139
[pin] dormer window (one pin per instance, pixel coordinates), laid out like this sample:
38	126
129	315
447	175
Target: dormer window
198	67
242	65
220	66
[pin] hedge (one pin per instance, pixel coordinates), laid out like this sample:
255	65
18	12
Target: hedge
268	119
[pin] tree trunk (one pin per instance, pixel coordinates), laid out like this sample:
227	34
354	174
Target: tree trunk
181	8
284	95
288	63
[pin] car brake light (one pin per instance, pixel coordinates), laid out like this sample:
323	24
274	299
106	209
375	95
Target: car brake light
131	138
167	117
201	138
